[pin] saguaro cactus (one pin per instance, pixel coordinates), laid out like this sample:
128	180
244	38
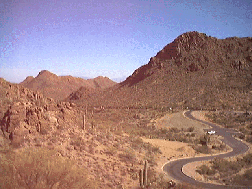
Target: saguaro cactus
84	122
141	178
143	175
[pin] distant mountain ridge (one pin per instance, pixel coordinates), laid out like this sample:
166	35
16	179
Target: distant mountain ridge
195	70
60	87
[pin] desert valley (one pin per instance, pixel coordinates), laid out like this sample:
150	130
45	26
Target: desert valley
68	132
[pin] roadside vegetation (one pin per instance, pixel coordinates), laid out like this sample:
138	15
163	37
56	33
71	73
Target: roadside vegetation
237	171
241	121
231	172
136	122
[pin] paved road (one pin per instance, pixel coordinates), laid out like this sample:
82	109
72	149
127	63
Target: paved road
174	168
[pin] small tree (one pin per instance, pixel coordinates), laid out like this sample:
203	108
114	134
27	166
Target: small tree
204	140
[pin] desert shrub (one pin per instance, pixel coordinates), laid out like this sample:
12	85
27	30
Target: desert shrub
181	137
150	158
249	139
214	147
185	186
76	141
137	143
225	166
158	181
245	131
91	148
40	168
203	169
249	126
163	131
190	129
248	174
128	155
162	183
155	150
174	130
221	147
247	159
193	135
244	179
152	149
43	131
55	137
111	150
202	149
4	145
241	118
17	142
204	140
242	136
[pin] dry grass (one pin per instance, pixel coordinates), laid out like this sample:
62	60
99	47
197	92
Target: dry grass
228	171
41	168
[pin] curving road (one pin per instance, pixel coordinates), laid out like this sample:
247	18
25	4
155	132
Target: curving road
174	168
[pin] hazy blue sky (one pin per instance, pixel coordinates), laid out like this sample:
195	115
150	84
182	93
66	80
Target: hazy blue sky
88	38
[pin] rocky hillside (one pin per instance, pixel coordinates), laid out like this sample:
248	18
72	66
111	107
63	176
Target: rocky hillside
82	92
195	70
59	87
30	120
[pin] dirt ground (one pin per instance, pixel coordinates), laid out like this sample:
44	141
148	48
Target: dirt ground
179	121
170	150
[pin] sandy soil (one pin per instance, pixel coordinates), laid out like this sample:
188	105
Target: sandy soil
179	121
190	170
200	115
170	150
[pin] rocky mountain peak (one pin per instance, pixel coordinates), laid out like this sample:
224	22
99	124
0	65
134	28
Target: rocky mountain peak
46	74
27	80
42	72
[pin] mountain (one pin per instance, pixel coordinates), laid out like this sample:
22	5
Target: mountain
27	80
195	70
60	87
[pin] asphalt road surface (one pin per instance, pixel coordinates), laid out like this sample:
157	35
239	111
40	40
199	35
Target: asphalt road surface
174	168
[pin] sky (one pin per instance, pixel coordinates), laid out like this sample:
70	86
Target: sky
90	38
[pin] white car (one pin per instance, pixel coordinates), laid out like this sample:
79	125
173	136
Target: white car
211	132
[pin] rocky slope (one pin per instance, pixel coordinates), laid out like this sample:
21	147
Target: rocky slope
59	87
30	120
195	70
25	113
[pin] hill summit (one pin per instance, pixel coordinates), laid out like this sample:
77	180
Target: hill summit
195	70
59	87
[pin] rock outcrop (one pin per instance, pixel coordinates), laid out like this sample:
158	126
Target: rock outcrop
25	113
